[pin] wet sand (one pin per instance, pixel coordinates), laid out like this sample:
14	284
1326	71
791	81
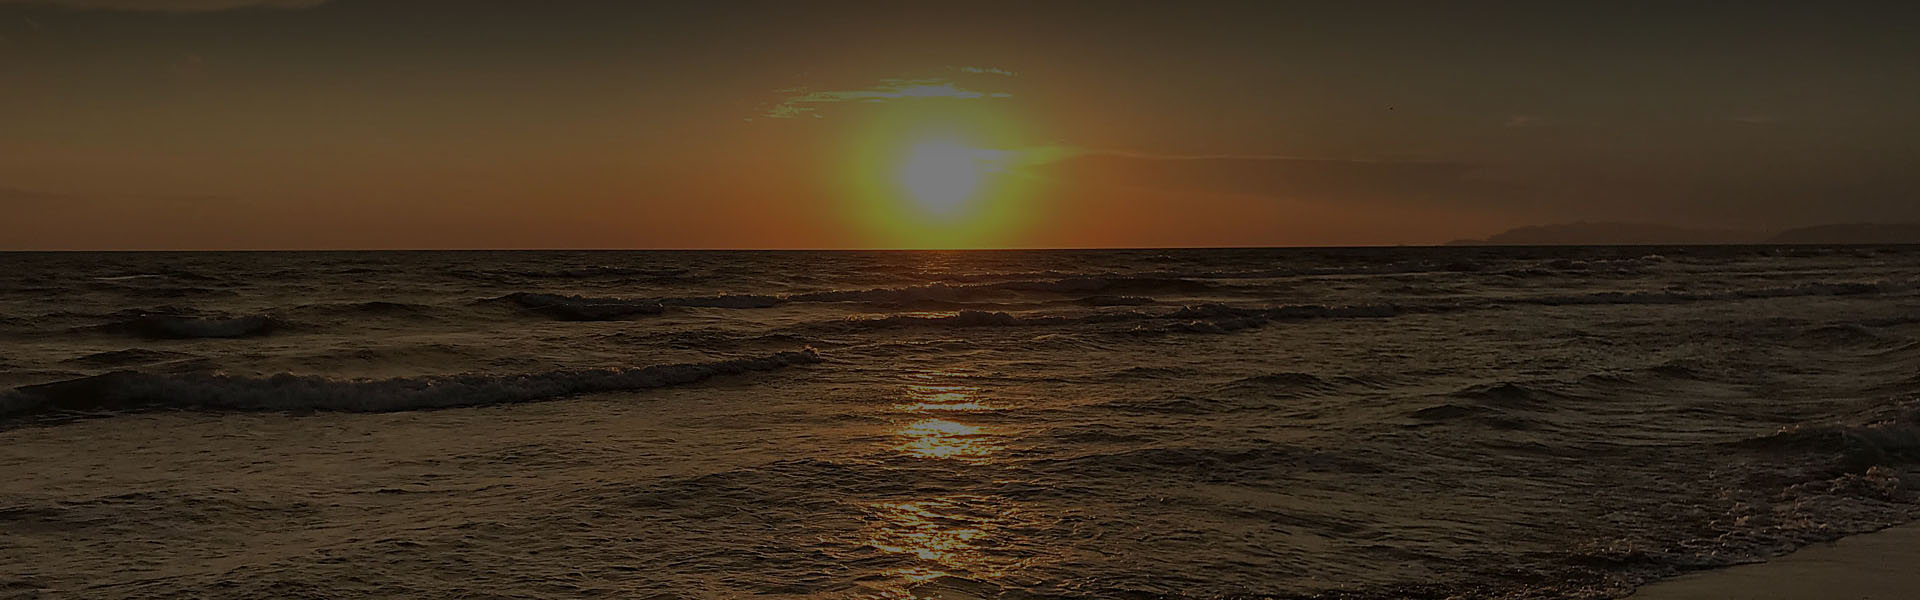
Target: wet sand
1878	566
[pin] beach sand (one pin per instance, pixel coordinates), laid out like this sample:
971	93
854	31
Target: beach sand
1879	566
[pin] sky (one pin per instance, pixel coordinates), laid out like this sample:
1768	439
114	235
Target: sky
333	124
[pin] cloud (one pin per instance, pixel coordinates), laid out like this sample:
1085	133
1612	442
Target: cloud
804	101
171	5
1290	178
987	71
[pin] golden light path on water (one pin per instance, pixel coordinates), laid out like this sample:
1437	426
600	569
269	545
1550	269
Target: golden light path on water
928	398
949	534
941	437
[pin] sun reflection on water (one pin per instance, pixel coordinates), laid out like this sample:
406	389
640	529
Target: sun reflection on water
940	438
951	535
931	397
917	529
948	535
935	437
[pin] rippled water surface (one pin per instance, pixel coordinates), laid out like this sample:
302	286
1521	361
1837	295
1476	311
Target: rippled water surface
1348	423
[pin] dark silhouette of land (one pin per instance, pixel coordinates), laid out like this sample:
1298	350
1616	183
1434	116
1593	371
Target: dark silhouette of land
1632	234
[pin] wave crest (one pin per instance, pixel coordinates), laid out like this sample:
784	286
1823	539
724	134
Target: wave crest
130	390
170	326
582	308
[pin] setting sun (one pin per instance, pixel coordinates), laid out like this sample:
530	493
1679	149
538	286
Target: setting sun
940	177
943	176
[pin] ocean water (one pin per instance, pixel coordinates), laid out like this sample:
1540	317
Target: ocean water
1290	423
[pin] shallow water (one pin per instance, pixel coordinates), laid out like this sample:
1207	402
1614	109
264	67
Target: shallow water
1376	423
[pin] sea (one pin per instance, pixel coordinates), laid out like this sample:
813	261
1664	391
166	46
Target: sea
1340	423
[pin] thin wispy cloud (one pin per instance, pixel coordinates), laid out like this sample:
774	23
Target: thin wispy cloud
1359	181
807	102
170	5
986	71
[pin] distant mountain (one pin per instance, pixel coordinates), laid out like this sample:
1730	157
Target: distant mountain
1612	234
1852	233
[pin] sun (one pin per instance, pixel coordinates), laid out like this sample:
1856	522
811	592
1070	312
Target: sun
930	177
943	177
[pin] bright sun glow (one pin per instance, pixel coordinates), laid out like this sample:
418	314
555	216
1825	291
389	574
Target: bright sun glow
943	176
939	176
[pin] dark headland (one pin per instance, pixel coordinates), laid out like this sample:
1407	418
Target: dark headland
1632	234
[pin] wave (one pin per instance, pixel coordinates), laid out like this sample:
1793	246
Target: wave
966	318
726	301
1296	384
1185	405
1814	483
129	390
1853	337
1079	285
592	272
1850	288
1202	277
129	356
372	308
1406	267
1568	267
1219	318
1258	393
1207	318
1512	395
1095	291
175	274
582	308
167	291
171	326
382	307
1200	318
1234	465
1115	301
1893	437
1444	412
1203	318
1501	405
1151	372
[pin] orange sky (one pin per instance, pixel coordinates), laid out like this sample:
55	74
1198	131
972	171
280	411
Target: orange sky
212	124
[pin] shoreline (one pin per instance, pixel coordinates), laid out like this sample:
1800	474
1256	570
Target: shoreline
1868	566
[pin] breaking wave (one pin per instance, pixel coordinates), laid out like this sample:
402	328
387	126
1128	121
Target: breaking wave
1894	438
581	308
1296	384
1109	285
1852	288
589	272
129	356
1109	292
129	390
166	326
1092	291
1238	464
1204	318
374	307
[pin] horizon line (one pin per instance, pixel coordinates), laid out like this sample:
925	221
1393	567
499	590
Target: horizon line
1461	244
